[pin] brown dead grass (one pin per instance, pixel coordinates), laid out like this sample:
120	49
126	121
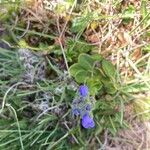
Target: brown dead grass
114	41
135	138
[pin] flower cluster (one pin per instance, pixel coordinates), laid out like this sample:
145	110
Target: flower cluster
82	106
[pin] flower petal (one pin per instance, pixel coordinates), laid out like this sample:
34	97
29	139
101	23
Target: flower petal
83	90
88	107
87	121
76	111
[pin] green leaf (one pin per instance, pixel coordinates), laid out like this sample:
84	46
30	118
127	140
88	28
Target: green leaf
75	68
86	61
144	13
88	71
79	23
111	89
146	48
79	46
129	12
81	76
112	129
143	8
75	48
97	57
109	86
94	85
108	69
97	73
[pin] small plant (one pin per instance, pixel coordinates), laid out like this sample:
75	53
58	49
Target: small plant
96	72
75	48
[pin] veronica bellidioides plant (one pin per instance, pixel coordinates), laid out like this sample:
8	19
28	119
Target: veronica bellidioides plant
96	72
82	106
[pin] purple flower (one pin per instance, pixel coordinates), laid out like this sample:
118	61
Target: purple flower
83	90
76	111
87	121
88	107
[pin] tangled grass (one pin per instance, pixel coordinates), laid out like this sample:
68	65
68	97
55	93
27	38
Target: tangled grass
41	40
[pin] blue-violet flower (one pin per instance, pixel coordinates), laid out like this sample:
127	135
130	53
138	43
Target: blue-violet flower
88	107
83	90
76	111
87	121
